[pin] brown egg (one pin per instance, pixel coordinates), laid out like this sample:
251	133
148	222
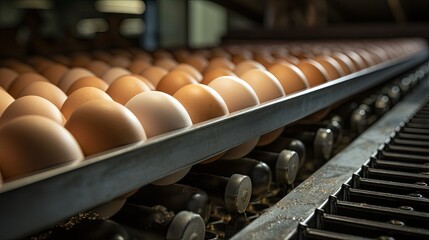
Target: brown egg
22	68
89	81
47	91
314	72
72	76
81	96
31	105
80	60
154	74
162	53
267	87
61	59
247	65
138	66
166	63
24	80
332	67
173	81
7	76
265	59
189	70
119	61
114	73
366	56
143	79
201	102
290	77
237	95
55	72
39	62
5	100
220	62
126	87
242	56
357	60
199	62
102	56
212	74
30	144
160	113
98	67
101	125
345	62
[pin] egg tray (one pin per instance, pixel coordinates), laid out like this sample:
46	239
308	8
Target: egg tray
64	191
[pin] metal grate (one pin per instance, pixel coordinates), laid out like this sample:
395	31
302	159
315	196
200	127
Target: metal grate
388	198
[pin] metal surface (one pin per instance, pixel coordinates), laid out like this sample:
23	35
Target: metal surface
38	201
281	221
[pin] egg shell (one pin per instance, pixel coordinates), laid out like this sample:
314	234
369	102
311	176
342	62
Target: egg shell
270	137
21	68
173	81
265	59
247	65
100	125
98	67
201	102
290	77
138	66
55	72
154	74
332	67
40	63
5	100
366	56
114	73
220	62
189	70
212	74
198	62
29	144
242	56
61	59
89	81
46	90
102	55
72	76
81	96
166	63
345	62
7	76
80	60
264	83
145	80
22	81
357	60
314	72
31	105
120	61
237	95
124	88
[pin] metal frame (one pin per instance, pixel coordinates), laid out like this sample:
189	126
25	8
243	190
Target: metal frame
281	220
33	203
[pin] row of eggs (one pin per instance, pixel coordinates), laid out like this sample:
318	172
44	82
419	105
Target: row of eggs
60	110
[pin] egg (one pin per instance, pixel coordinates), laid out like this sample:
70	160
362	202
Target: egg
160	113
39	62
81	96
220	62
102	55
237	95
189	70
202	103
31	105
267	87
199	62
55	72
46	90
138	66
143	79
173	81
72	76
345	62
154	74
314	72
7	76
114	73
99	68
22	81
166	63
290	77
61	59
332	67
80	59
366	56
357	60
124	88
5	100
21	68
242	56
119	61
265	59
101	125
29	144
89	81
212	74
247	65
